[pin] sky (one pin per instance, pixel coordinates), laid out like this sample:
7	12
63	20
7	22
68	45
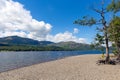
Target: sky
50	20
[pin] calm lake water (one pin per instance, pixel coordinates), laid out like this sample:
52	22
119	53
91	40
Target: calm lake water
13	60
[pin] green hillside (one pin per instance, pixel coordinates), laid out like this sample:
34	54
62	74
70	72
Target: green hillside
15	43
15	40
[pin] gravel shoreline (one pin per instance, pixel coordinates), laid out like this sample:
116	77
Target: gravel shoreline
81	67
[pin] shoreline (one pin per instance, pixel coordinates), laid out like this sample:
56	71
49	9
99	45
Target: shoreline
34	64
43	62
82	67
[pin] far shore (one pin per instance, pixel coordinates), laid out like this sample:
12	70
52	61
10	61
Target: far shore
81	67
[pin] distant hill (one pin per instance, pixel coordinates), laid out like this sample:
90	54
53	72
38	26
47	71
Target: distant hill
15	40
72	45
16	43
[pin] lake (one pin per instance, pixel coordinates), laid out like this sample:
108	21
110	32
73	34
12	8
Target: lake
13	60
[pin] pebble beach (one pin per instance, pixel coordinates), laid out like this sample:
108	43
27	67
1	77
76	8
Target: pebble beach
81	67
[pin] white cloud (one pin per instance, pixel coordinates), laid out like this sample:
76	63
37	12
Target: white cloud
66	36
76	31
16	20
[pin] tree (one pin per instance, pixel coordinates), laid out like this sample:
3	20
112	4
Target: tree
90	21
114	29
114	33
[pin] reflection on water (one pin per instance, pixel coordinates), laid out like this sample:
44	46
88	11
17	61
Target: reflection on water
12	60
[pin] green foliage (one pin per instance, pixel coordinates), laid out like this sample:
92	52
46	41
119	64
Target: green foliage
115	52
114	29
114	6
100	39
85	21
114	33
114	26
30	48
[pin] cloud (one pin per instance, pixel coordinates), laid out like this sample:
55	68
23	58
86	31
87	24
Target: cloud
16	20
76	31
66	36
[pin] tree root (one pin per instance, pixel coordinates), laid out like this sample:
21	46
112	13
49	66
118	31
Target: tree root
111	62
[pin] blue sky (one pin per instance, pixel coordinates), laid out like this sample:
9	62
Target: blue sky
60	14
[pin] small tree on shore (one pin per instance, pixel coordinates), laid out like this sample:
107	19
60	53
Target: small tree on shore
90	21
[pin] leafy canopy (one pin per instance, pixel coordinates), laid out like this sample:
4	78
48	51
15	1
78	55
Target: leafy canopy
114	6
114	29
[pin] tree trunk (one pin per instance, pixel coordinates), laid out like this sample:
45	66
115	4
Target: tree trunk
105	35
107	50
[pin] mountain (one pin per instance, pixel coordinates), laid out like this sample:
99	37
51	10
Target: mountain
72	45
15	40
15	43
